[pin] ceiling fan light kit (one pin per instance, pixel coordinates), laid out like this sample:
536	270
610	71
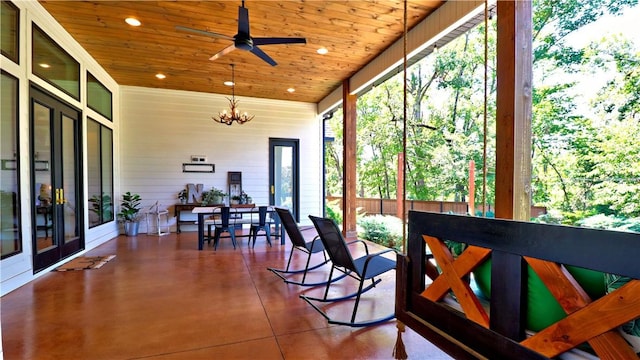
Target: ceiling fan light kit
243	40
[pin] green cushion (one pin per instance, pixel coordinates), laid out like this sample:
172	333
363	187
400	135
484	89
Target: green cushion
591	281
542	308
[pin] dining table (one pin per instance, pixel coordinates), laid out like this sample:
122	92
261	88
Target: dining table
207	211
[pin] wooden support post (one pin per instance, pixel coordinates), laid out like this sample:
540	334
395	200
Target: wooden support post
513	113
513	159
349	162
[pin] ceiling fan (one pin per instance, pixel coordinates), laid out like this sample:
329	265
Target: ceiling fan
243	41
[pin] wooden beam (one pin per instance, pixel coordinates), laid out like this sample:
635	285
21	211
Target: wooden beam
513	157
349	162
513	114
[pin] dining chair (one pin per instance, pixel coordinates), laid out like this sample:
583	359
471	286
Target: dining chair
363	268
263	222
224	224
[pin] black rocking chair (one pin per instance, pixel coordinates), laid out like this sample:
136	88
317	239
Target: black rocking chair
299	243
363	268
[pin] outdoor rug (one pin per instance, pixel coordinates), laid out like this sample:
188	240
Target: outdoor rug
85	262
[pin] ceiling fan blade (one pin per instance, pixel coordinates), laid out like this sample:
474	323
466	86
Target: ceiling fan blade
276	40
223	52
256	50
243	20
204	33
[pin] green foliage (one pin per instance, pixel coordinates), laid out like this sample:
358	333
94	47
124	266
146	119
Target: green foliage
586	156
456	248
102	206
381	229
212	197
333	211
609	222
551	217
129	207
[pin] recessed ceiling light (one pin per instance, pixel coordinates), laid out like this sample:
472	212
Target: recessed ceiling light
132	21
229	83
291	90
322	51
161	76
44	65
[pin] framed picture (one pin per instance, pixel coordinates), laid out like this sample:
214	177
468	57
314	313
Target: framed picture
203	168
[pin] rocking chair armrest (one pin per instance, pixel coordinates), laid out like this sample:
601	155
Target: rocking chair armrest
366	247
373	256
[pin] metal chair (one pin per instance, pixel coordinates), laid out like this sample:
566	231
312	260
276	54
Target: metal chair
262	223
363	268
298	243
223	225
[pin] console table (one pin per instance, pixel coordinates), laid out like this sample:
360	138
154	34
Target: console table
180	208
185	207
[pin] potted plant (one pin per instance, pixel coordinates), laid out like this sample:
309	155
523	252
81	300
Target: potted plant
245	198
213	197
182	195
128	215
101	206
235	199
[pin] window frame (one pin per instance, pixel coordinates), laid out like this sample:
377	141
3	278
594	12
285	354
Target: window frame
18	202
34	69
101	161
89	98
16	10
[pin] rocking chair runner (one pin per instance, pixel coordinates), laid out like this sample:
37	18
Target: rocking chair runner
299	243
363	268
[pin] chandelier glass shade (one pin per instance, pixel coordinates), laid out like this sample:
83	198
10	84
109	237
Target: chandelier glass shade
228	117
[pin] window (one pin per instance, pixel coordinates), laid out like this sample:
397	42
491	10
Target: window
10	242
53	64
10	20
100	173
99	97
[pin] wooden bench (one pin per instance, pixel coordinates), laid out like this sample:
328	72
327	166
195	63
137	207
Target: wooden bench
470	331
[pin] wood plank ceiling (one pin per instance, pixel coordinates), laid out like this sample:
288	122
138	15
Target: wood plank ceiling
354	32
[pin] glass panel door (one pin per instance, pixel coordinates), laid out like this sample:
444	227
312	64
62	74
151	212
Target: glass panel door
43	215
68	187
55	168
283	174
10	234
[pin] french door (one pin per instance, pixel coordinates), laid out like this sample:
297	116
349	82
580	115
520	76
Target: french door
283	174
55	168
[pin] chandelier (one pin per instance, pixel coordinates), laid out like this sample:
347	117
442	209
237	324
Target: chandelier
228	118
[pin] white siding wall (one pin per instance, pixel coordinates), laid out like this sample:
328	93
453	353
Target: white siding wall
161	129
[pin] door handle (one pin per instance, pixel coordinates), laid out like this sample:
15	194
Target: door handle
60	196
273	189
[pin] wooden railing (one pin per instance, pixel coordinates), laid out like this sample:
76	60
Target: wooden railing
467	327
389	206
